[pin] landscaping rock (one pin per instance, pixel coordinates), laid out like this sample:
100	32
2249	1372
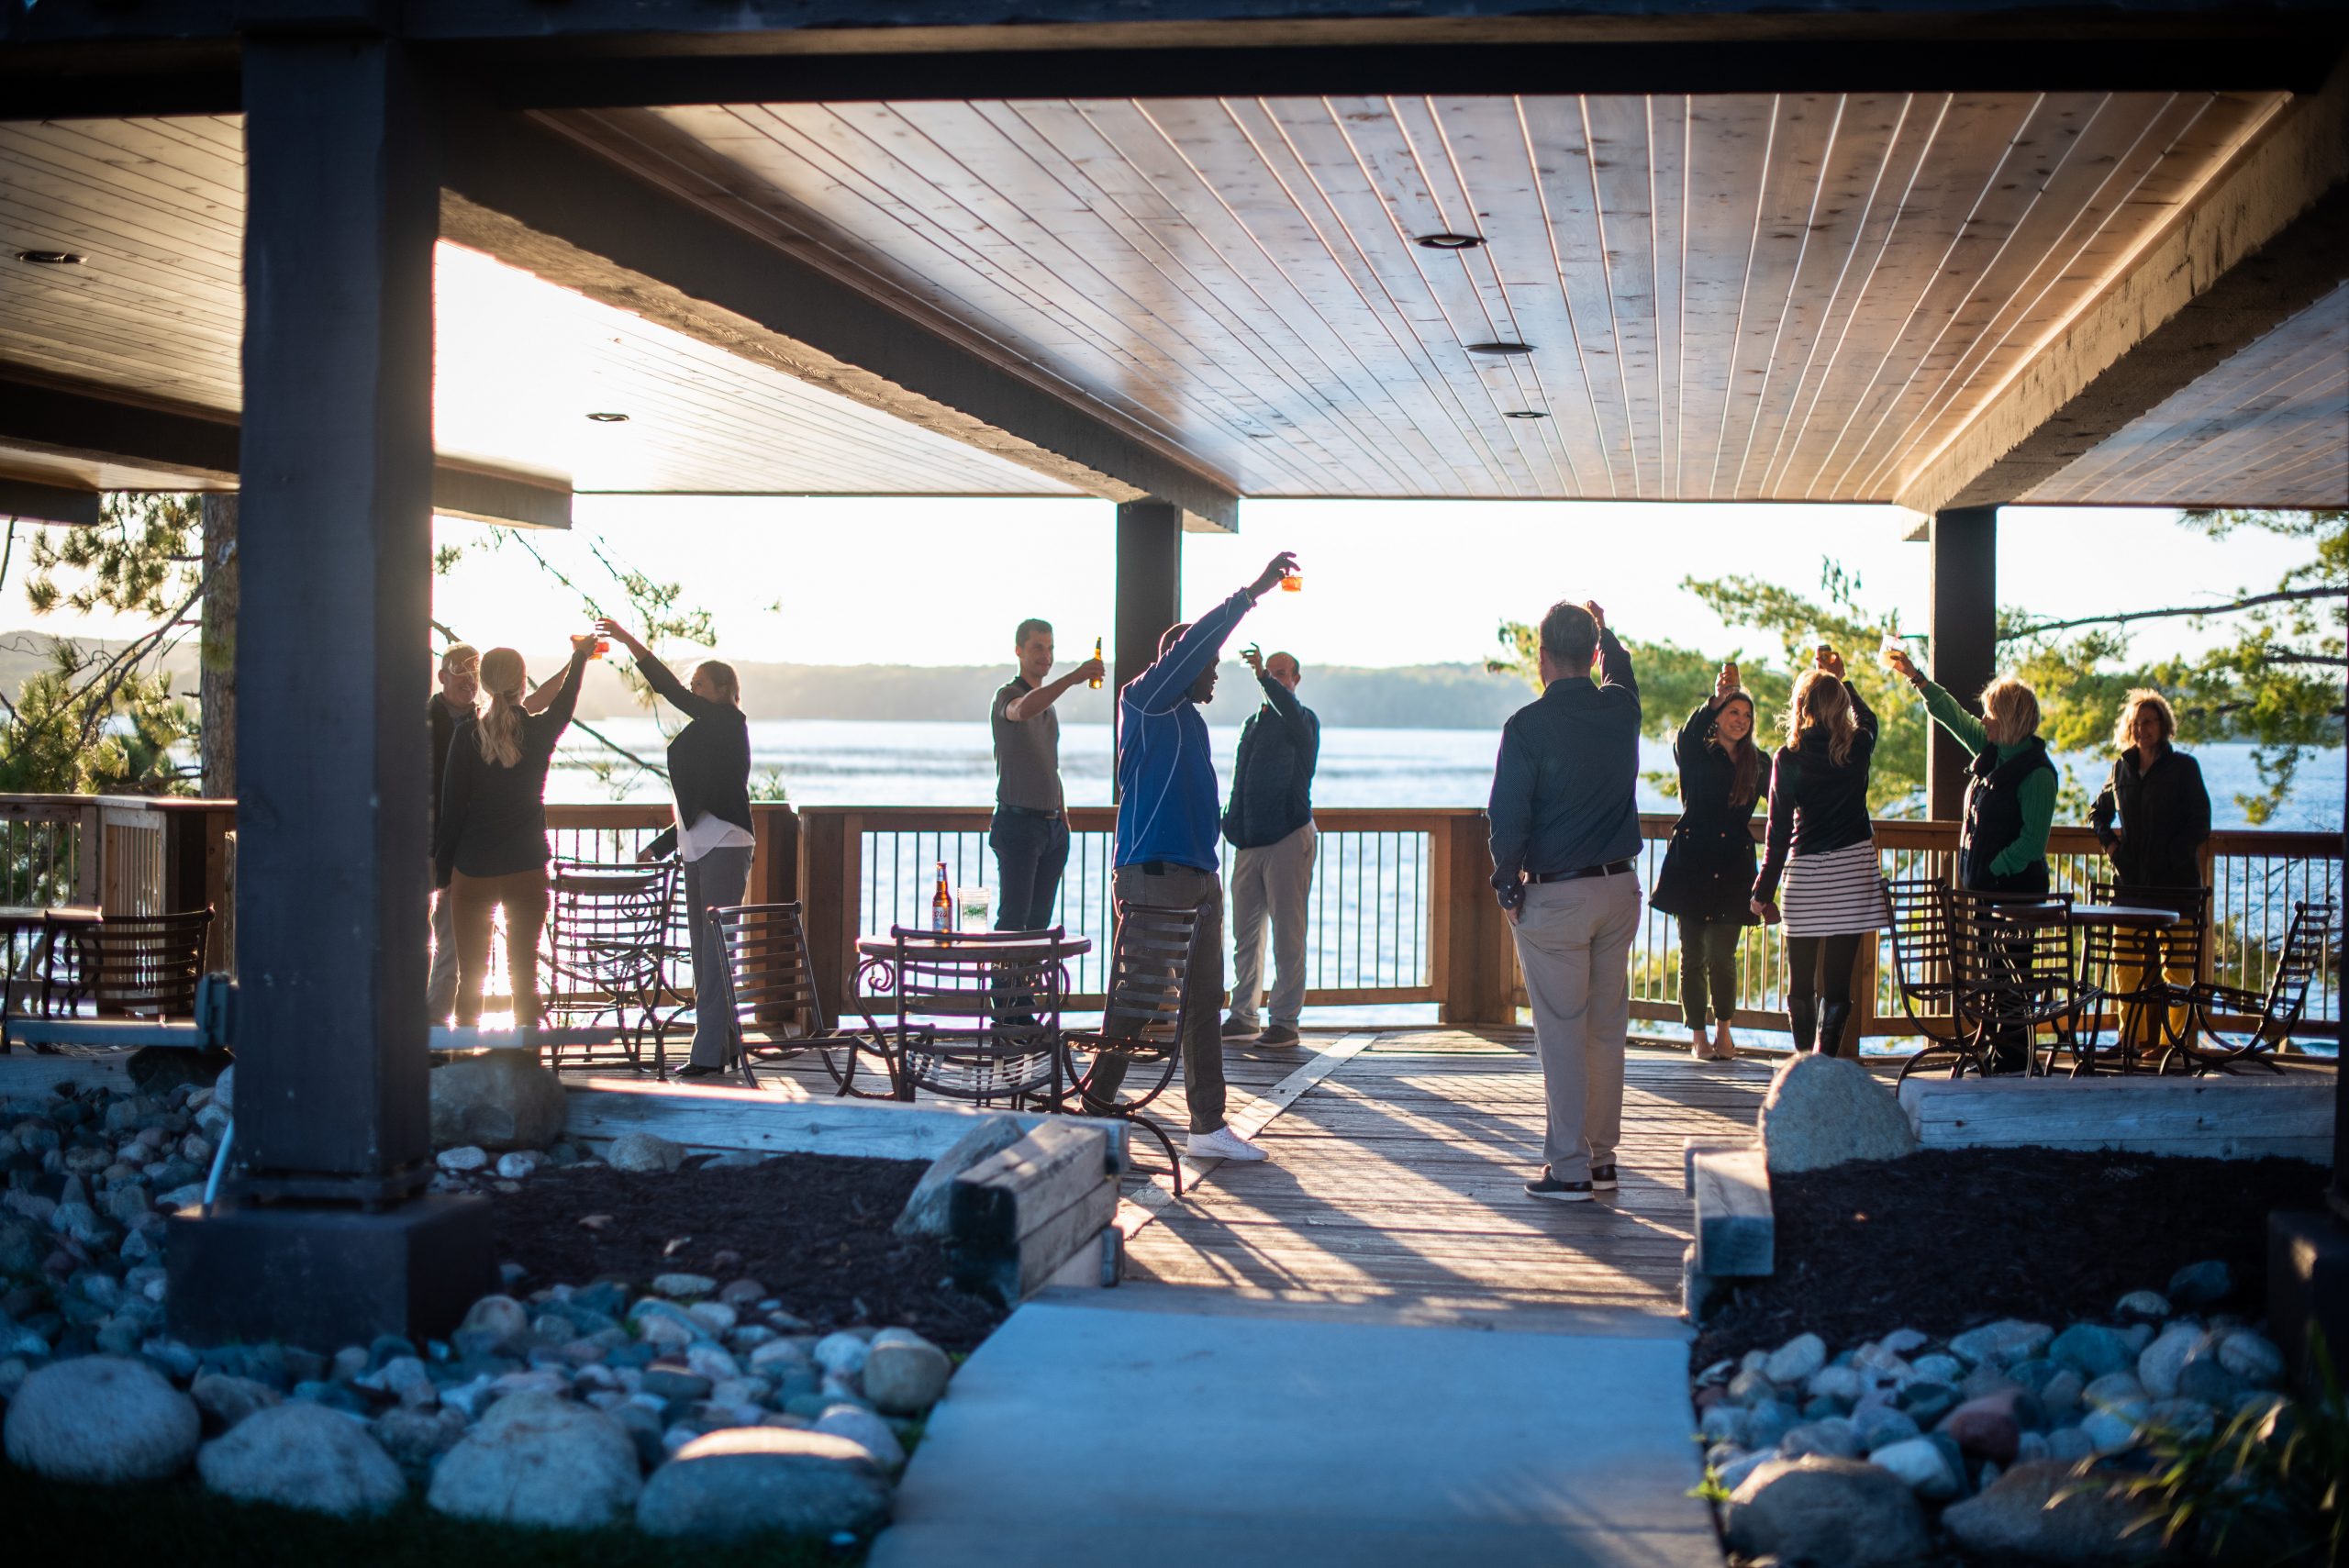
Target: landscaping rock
225	1400
904	1374
1826	1110
861	1426
501	1320
925	1211
520	1164
465	1157
1795	1361
1769	1421
1844	1385
1929	1402
102	1421
539	1460
2142	1306
1986	1428
416	1439
2164	1360
1733	1473
643	1153
2091	1350
2041	1511
1878	1427
1921	1466
1827	1512
2002	1343
303	1456
748	1480
1833	1437
497	1100
1940	1369
2202	1284
684	1286
843	1353
2252	1358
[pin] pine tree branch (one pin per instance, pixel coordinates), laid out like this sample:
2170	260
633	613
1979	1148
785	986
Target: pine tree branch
2286	596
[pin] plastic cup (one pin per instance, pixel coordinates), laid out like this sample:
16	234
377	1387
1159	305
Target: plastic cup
1292	584
974	908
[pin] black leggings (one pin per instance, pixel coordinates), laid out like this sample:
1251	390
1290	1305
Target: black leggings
1821	967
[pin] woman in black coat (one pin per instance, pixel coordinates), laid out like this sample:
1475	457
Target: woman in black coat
1708	873
709	770
2152	818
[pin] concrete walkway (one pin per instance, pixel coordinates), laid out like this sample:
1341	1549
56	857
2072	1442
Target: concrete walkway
1150	1426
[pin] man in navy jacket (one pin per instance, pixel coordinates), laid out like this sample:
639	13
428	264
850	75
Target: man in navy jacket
1270	825
1167	829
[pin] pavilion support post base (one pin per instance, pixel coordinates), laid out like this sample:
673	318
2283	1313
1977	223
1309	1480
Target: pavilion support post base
328	1275
2308	1287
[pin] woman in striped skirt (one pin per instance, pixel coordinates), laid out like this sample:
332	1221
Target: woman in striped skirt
1821	843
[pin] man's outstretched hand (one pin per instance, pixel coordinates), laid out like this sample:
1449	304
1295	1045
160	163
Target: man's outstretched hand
1270	578
1595	613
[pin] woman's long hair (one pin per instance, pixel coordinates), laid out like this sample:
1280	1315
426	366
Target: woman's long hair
1819	703
500	729
1745	757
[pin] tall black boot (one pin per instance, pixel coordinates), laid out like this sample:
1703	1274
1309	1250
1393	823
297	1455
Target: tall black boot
1802	1012
1834	1019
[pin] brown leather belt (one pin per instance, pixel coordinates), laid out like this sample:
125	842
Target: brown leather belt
1612	868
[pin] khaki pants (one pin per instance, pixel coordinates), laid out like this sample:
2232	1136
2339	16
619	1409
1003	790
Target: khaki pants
714	881
1271	881
1202	1087
1574	945
523	896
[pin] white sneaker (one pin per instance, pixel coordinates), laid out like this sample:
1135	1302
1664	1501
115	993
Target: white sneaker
1221	1144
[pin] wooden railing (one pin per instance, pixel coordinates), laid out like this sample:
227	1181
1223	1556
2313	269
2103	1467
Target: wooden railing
124	854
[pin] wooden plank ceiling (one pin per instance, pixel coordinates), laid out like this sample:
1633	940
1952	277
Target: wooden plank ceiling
1763	297
156	208
2278	409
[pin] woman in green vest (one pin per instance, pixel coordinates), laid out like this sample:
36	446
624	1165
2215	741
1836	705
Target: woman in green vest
2010	784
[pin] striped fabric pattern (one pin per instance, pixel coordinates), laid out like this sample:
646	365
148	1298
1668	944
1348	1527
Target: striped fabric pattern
1835	894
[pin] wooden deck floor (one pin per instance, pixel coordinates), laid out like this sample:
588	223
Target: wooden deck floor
1397	1178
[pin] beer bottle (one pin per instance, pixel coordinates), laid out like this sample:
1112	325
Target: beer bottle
1096	682
941	903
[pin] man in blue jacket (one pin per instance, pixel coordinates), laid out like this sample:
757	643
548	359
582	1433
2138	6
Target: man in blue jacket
1270	825
1168	823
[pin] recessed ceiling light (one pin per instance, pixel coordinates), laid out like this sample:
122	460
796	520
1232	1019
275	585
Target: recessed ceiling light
609	418
49	257
1503	348
1524	414
1449	241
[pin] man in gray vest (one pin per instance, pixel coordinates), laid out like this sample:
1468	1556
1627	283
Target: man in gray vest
1029	833
1269	826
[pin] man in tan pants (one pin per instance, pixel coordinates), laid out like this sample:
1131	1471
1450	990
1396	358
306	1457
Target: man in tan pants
1565	826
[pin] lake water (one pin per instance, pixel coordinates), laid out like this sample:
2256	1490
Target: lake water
849	762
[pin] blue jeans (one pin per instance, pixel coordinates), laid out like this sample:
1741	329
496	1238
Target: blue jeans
1030	852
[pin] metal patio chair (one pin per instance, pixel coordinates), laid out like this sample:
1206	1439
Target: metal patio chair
769	986
979	1018
1925	969
125	966
2015	976
605	950
2273	1013
1149	1000
2150	1014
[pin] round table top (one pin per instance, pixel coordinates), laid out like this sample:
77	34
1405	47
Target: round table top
2122	915
880	944
31	914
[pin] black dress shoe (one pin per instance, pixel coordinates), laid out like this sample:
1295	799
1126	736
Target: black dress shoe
1546	1186
1602	1178
698	1070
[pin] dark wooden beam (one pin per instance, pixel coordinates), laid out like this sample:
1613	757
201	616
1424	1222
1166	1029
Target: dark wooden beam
534	198
1148	584
335	545
83	419
36	503
1964	594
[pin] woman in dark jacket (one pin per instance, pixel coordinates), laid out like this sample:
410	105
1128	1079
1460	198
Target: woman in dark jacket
1822	841
710	771
2153	815
489	846
1707	873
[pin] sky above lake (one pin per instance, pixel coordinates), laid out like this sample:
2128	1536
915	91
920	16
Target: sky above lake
944	582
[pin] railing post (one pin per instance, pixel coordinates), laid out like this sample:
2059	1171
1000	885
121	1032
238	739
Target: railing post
89	857
775	858
830	872
1475	982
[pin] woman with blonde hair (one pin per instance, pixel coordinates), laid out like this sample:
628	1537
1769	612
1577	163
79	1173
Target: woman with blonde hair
2010	787
1822	844
2154	814
490	846
1707	873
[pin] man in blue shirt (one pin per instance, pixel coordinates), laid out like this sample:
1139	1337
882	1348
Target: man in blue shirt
1565	827
1168	823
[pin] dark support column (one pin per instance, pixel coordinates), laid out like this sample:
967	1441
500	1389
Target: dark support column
1150	583
325	1242
1965	593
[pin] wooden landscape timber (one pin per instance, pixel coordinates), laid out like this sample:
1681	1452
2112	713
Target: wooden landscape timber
2219	1117
1017	1217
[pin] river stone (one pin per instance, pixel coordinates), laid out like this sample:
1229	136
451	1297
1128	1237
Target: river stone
1921	1464
643	1153
925	1211
868	1430
1795	1361
303	1456
498	1100
225	1400
500	1321
2142	1306
1878	1427
463	1157
539	1460
744	1481
2198	1286
2159	1368
1825	1110
102	1421
416	1439
904	1374
2252	1358
2091	1350
1929	1402
1832	1436
1843	1383
1838	1511
2042	1511
2002	1343
842	1353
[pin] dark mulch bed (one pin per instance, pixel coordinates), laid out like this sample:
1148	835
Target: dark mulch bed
813	1228
1949	1239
